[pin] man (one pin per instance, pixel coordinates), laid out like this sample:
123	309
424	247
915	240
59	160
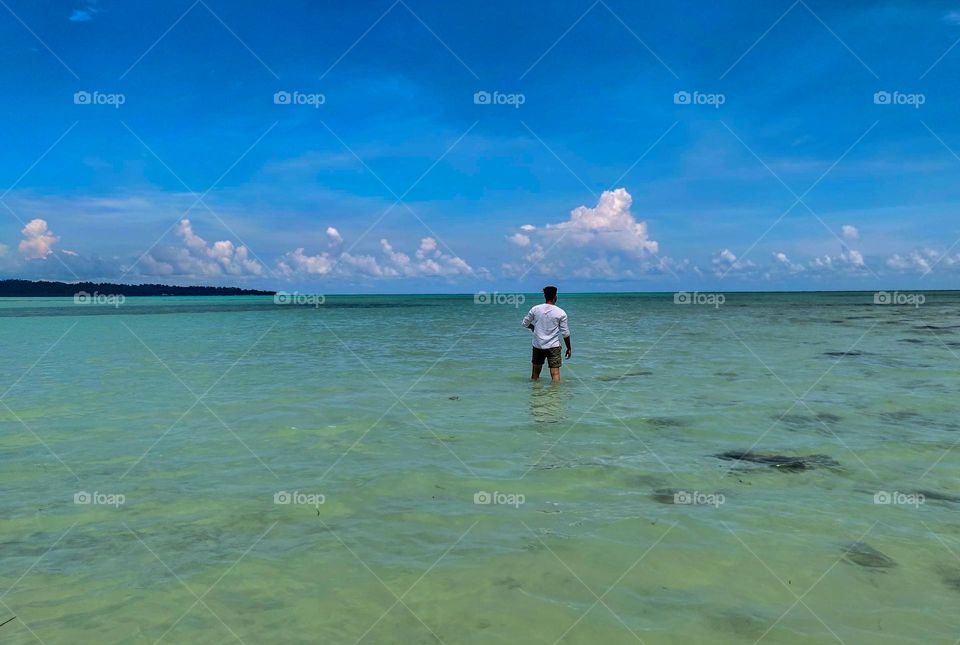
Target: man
548	322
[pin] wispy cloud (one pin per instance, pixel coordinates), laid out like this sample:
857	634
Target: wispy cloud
85	13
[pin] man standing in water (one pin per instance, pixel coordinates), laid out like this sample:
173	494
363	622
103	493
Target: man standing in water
548	322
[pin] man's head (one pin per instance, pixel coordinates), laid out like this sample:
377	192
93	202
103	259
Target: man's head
550	294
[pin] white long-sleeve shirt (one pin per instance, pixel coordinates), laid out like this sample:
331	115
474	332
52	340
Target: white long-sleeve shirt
549	325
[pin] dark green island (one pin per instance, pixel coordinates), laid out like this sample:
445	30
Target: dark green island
46	289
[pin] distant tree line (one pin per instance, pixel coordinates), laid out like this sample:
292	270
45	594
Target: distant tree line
29	288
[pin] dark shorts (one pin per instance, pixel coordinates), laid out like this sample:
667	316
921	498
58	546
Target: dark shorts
552	355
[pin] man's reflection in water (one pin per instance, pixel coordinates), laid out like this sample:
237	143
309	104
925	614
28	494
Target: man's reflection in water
546	402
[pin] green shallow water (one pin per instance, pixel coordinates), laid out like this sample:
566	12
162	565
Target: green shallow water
303	399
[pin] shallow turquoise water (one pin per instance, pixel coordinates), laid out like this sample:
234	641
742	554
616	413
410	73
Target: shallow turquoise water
104	400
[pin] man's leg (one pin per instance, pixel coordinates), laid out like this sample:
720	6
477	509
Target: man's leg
554	363
537	357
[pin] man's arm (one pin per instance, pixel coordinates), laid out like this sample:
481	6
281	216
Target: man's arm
528	320
565	330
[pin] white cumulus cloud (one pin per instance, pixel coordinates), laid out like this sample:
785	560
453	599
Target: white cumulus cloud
38	240
609	225
298	262
850	232
848	261
726	262
197	258
922	261
520	239
781	261
427	261
604	241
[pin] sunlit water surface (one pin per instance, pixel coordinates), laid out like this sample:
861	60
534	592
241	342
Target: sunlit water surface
398	411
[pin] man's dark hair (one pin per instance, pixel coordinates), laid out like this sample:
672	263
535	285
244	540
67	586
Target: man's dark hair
550	293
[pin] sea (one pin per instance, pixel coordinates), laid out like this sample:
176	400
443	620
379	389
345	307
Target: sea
712	468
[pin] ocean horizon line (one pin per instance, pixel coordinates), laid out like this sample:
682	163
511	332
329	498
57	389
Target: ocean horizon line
523	292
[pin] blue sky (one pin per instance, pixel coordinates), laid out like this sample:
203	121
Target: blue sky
624	145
